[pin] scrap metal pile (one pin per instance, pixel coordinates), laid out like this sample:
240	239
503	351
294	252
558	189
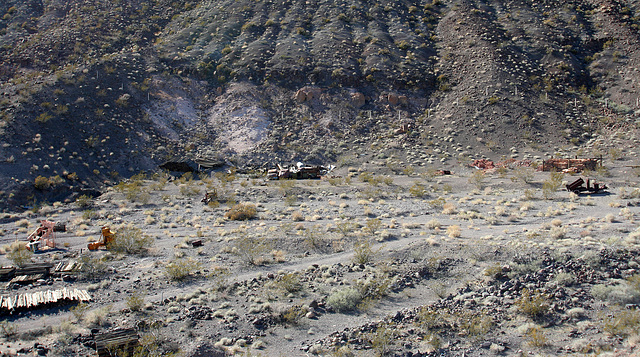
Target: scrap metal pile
484	164
298	171
571	165
578	187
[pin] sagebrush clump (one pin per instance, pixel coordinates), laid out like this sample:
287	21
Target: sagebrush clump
241	212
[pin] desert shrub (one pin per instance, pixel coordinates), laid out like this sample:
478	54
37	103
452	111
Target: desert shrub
218	277
382	339
448	208
477	179
279	256
621	323
130	240
495	271
564	279
529	194
534	305
363	252
550	186
315	238
91	267
293	315
475	324
373	287
345	227
343	351
536	337
433	224
621	292
289	282
454	231
344	300
189	190
522	174
79	311
84	202
558	232
297	216
42	183
181	269
135	302
98	317
19	255
418	190
375	180
252	249
373	225
8	330
241	212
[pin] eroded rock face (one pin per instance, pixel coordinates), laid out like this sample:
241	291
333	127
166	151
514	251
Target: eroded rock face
307	94
300	96
358	99
392	99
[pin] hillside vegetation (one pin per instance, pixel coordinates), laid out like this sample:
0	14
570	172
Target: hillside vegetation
94	91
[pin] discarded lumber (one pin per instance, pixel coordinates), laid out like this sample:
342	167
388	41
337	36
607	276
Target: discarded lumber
9	304
116	343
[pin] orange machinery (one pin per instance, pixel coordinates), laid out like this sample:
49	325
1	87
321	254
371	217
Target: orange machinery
106	238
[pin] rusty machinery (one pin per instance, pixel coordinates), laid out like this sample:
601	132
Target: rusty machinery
106	238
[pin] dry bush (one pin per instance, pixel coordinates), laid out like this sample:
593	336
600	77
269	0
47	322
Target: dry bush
297	216
131	240
449	208
454	231
621	292
279	256
363	252
42	183
135	302
98	317
522	174
477	179
181	269
241	212
418	190
533	304
18	254
621	323
537	338
344	300
252	250
433	224
91	267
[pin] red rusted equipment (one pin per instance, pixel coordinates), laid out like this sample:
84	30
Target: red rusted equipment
592	187
43	234
571	165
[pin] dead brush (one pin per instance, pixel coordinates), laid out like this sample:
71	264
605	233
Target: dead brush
533	304
241	212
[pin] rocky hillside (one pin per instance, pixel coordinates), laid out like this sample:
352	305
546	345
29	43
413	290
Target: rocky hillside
94	91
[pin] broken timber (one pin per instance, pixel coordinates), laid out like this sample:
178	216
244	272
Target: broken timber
9	304
114	343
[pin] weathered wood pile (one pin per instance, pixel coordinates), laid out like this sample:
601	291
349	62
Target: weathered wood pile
67	267
9	304
7	273
30	273
116	342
